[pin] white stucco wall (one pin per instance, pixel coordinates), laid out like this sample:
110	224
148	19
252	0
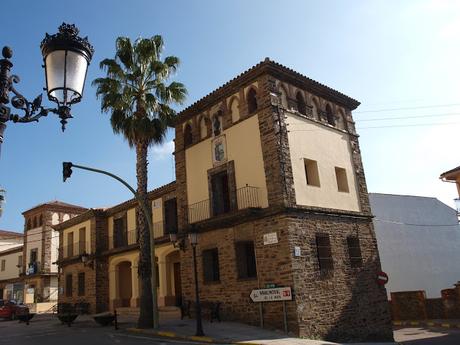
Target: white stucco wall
330	148
419	242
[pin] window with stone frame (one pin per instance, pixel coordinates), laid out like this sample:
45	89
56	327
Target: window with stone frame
170	216
324	252
68	285
81	284
211	271
188	136
245	259
120	232
3	265
354	251
220	193
33	255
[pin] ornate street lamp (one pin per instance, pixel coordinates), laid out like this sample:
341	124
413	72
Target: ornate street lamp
66	59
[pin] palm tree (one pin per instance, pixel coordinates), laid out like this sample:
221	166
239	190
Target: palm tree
136	95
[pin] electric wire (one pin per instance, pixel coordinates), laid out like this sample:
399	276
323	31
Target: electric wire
407	108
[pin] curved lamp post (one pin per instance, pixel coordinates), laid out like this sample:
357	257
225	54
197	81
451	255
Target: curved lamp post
66	59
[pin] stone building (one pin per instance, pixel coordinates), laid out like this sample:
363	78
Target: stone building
40	252
274	154
269	173
108	240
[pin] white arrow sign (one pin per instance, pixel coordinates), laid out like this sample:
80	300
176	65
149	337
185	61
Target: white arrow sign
271	295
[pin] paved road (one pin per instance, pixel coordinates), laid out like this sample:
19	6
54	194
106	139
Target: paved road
51	332
423	336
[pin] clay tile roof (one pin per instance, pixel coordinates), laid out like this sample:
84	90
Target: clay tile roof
56	203
6	233
273	66
454	171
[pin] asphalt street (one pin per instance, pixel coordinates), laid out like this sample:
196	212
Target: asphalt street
49	331
423	336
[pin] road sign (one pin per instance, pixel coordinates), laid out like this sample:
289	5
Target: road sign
271	295
382	278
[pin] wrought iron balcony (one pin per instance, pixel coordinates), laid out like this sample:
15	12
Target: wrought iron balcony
33	268
75	249
246	197
123	239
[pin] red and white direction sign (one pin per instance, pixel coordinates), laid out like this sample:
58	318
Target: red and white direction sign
271	295
382	278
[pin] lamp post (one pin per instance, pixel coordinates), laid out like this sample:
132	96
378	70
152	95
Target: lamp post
66	58
67	172
180	243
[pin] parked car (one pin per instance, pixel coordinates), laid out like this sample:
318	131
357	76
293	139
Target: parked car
9	309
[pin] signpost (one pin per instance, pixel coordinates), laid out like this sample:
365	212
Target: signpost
279	294
272	295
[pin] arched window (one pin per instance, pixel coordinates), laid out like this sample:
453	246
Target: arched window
341	120
284	101
203	127
235	109
29	224
314	109
188	138
330	115
252	100
35	222
217	124
40	220
301	106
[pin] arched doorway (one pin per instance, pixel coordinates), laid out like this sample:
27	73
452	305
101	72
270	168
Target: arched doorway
124	284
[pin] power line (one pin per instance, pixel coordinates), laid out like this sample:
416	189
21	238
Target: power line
407	108
412	224
412	125
387	126
407	117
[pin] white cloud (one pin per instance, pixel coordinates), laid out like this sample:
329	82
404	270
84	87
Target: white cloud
162	152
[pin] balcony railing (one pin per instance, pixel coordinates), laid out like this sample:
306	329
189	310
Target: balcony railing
75	249
246	197
33	268
124	239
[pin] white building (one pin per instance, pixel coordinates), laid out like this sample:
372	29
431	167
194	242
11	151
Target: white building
419	242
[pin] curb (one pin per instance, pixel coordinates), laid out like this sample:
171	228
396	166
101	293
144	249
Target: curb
185	337
427	324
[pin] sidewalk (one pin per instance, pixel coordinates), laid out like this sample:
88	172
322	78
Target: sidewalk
227	333
438	323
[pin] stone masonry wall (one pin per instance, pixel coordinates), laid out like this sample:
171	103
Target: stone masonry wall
273	266
347	303
90	285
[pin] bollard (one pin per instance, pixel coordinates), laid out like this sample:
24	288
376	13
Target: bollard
116	319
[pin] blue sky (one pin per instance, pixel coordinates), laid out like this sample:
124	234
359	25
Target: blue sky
386	54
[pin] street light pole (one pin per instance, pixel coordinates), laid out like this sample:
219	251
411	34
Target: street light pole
67	171
199	324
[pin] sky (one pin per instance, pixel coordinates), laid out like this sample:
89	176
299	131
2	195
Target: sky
398	58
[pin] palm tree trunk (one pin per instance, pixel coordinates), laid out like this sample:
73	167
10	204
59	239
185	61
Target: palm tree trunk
144	267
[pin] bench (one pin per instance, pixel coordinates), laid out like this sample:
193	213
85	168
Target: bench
212	309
